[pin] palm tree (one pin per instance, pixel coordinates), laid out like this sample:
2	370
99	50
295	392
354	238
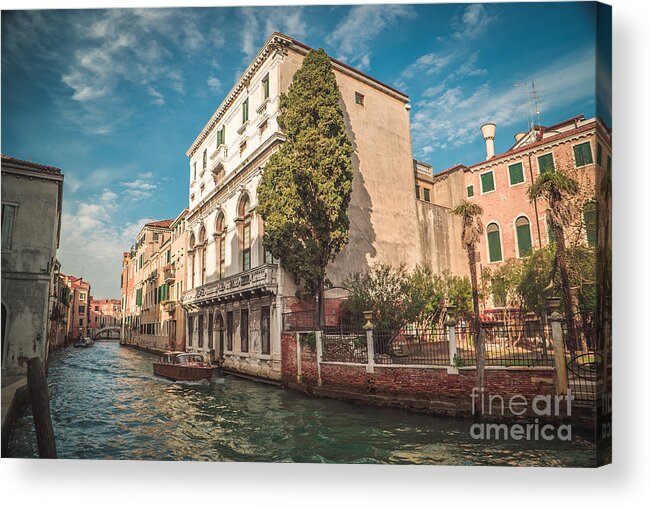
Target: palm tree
471	232
557	189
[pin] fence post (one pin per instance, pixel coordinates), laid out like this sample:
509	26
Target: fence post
370	348
298	358
452	338
559	353
319	355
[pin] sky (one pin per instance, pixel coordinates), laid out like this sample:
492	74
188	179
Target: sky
115	97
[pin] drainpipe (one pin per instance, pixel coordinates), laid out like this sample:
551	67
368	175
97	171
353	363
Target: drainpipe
535	205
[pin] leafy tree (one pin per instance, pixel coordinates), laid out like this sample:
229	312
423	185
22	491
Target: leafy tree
307	184
535	278
557	189
472	229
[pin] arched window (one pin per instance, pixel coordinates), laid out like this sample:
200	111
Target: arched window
523	234
202	246
244	216
220	245
192	261
494	242
591	222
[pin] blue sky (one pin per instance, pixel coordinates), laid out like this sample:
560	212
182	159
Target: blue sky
115	97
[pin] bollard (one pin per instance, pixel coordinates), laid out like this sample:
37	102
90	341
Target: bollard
40	399
559	353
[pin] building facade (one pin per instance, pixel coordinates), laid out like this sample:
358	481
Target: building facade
236	294
145	292
80	296
32	197
174	277
105	313
60	310
513	224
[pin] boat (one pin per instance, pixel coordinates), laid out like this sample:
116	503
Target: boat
183	366
84	343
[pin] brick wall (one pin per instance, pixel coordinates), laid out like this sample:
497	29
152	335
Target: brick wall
428	389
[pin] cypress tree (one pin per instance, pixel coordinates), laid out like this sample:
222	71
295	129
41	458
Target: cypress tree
306	185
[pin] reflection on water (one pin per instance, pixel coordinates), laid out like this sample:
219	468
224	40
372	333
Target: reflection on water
107	404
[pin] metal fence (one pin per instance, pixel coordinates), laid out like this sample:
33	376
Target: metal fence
344	344
412	345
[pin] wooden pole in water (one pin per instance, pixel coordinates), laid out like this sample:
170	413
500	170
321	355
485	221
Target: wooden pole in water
40	398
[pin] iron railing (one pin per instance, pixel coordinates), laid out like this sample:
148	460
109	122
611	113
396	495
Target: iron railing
344	344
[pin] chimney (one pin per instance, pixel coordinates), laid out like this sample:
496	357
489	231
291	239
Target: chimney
488	131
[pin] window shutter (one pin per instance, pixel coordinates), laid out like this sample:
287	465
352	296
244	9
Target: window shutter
582	154
487	182
590	219
516	174
523	231
545	163
599	149
470	189
494	246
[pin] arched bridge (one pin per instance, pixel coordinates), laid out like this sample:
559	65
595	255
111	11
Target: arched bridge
108	333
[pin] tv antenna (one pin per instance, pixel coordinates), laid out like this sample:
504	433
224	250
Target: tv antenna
533	103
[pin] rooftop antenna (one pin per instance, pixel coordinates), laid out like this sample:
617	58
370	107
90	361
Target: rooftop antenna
535	95
530	124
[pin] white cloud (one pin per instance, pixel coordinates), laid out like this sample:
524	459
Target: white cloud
451	117
475	19
352	37
214	83
157	97
259	24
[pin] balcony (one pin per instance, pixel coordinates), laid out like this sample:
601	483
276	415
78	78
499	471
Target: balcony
219	155
169	306
255	282
169	273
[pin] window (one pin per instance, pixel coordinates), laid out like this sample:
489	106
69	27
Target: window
244	216
494	243
221	136
470	190
190	329
82	308
591	221
487	182
545	163
609	164
205	160
265	329
245	110
244	330
523	234
516	174
8	216
599	150
194	170
263	127
417	192
242	148
200	331
220	245
426	194
210	339
359	98
81	322
96	308
229	330
265	87
82	296
582	154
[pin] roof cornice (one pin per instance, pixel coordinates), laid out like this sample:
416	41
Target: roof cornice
276	43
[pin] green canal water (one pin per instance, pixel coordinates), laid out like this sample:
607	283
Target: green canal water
107	404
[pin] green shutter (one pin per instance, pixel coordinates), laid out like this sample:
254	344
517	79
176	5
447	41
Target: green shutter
245	110
524	239
516	173
599	149
470	189
545	163
487	182
590	219
582	154
494	247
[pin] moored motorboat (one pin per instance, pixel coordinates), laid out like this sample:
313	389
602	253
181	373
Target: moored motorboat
183	366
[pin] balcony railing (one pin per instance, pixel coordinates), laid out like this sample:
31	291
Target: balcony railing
218	155
169	273
262	279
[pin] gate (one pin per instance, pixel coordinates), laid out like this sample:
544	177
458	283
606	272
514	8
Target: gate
584	361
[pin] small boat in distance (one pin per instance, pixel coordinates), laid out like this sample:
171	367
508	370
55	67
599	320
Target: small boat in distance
84	343
183	366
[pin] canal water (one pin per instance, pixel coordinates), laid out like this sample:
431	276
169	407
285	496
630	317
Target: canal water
107	404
